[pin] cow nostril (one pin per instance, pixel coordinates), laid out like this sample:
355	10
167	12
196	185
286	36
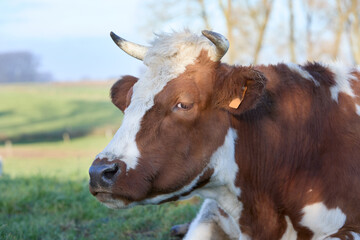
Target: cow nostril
103	175
110	172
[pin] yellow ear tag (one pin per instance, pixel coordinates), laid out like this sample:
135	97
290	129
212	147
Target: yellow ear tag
235	103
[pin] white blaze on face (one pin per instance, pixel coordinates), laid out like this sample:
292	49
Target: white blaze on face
322	221
166	59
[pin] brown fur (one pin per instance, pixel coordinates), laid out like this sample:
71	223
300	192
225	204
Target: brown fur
303	141
175	141
292	138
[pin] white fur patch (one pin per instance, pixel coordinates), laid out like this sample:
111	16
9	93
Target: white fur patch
244	237
200	230
202	226
222	184
342	76
357	109
290	233
166	59
322	221
230	227
356	236
224	164
305	74
222	189
208	217
116	204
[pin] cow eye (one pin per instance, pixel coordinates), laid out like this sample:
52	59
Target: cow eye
184	106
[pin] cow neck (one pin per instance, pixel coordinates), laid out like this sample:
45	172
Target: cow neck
222	187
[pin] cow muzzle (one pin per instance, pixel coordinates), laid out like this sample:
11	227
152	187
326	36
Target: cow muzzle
103	176
115	186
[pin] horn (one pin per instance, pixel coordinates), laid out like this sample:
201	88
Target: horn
221	43
135	50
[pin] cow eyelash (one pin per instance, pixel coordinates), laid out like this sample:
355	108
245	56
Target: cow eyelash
184	106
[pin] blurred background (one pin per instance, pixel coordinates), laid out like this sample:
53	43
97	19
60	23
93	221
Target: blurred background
57	64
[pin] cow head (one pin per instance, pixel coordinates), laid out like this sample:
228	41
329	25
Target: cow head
176	119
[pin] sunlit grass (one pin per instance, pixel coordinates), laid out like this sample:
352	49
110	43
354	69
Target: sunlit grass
48	198
58	208
54	159
36	112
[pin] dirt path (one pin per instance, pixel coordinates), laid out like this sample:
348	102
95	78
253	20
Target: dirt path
25	152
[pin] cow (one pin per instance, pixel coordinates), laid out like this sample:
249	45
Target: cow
275	148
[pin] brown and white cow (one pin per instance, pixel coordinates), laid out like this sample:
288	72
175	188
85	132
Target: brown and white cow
277	147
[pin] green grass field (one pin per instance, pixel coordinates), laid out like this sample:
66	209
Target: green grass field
44	190
39	112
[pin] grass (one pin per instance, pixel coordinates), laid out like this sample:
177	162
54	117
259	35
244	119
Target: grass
52	208
43	112
44	190
53	159
41	207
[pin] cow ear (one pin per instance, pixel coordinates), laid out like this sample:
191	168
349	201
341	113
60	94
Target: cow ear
121	92
239	89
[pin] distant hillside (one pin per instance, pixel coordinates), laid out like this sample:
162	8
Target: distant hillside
44	112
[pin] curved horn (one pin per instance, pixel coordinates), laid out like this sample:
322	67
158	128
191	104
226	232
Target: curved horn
133	49
221	43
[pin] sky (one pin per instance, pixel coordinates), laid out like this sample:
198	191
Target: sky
71	37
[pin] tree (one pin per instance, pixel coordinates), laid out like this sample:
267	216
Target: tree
292	29
246	22
354	30
21	67
344	9
300	30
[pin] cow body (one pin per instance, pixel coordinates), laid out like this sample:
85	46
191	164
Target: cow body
284	164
